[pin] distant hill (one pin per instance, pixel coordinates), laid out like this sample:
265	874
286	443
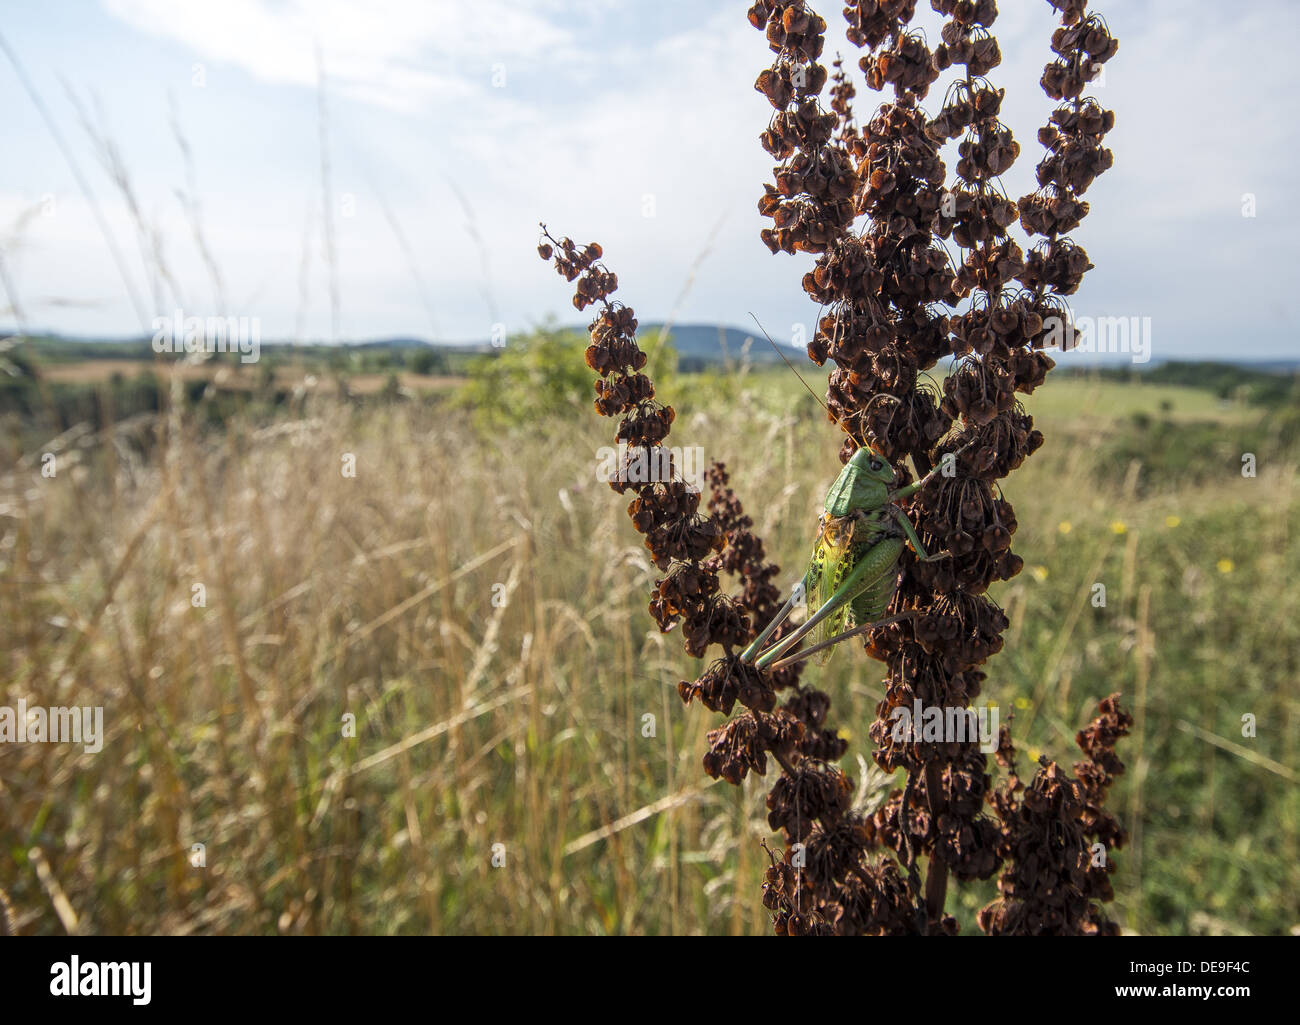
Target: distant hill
387	343
697	345
710	344
403	342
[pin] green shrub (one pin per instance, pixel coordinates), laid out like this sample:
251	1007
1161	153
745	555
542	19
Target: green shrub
543	374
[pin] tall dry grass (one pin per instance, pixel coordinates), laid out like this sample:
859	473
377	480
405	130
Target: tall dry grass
476	601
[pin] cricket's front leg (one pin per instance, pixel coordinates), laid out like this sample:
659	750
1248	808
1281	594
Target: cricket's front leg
911	489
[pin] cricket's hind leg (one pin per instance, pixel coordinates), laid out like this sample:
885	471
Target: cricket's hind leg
797	596
867	607
804	653
880	562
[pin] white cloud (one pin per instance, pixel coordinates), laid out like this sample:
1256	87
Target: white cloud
395	53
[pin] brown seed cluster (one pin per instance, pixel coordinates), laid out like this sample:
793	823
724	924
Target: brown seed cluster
744	556
842	93
1074	158
680	539
1098	771
869	898
812	791
809	201
966	37
1056	873
745	559
694	549
744	742
793	905
879	290
884	293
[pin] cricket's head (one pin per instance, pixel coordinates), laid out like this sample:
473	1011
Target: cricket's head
864	483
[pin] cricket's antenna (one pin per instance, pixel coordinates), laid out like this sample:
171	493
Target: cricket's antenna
796	373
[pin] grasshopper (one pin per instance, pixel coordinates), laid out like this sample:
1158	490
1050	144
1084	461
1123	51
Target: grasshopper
853	571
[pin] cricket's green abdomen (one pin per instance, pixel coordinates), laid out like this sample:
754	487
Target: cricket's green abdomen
871	604
875	555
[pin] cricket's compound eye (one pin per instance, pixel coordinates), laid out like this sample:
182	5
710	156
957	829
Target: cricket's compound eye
877	465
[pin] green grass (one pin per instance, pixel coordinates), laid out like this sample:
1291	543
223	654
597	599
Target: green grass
519	722
1072	397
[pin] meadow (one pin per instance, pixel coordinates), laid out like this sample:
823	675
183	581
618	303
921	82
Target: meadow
413	698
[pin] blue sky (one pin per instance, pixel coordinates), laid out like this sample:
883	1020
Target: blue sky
452	129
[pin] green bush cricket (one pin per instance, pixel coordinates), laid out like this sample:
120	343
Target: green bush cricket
854	568
853	571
